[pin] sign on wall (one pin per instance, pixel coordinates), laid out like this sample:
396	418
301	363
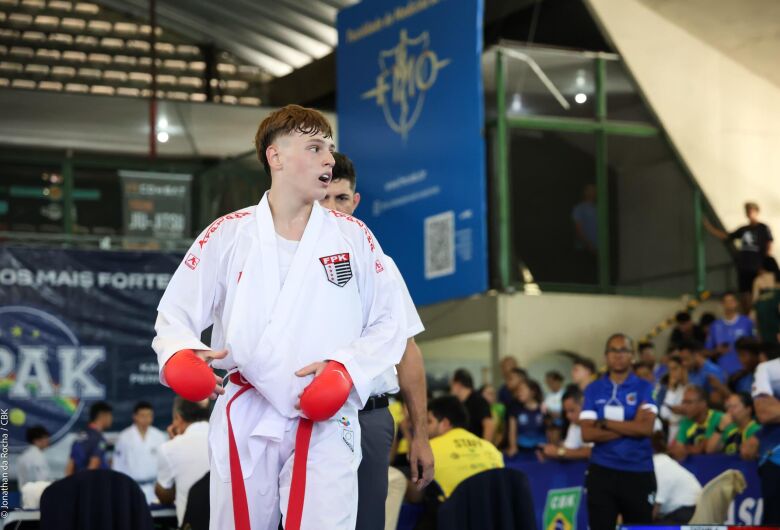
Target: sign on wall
156	205
410	116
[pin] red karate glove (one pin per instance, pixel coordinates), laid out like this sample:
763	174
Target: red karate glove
189	376
327	392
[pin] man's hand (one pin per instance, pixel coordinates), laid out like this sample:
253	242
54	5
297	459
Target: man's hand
172	431
313	368
208	356
420	455
550	451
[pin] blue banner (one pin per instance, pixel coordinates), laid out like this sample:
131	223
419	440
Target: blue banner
76	327
410	115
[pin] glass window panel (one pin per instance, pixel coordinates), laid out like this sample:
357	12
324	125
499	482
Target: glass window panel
624	101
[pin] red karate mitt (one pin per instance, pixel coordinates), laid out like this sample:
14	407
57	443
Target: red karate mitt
327	392
189	376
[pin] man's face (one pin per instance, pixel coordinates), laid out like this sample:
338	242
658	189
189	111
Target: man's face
686	356
579	374
647	355
619	355
107	418
752	214
513	380
143	418
43	443
341	197
730	304
507	364
304	162
572	410
435	427
643	372
748	360
693	406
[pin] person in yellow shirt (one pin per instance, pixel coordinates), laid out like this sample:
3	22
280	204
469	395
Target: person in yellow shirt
457	453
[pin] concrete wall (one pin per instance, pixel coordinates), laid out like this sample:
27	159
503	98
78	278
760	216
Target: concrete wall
719	102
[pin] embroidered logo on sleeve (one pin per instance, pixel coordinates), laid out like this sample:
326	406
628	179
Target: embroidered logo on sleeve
366	231
192	261
378	266
337	268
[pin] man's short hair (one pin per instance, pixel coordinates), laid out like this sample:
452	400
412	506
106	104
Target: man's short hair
645	344
623	336
36	432
555	375
707	319
752	206
288	120
98	408
190	411
451	408
699	391
682	317
573	392
586	363
748	344
463	377
142	405
519	371
643	364
344	170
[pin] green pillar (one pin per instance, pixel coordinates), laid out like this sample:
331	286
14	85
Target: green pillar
602	177
501	182
699	248
67	193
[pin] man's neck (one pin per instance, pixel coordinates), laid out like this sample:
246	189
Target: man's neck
618	377
142	430
729	315
290	214
96	426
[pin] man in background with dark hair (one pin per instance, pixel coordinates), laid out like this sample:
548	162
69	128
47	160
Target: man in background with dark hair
480	421
725	332
184	459
376	422
32	465
685	330
135	450
697	426
583	372
702	372
89	449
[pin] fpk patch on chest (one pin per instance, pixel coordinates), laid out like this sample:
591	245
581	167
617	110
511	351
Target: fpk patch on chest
338	269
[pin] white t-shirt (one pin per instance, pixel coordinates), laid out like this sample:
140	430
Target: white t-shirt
574	438
553	402
387	382
677	487
766	381
285	249
32	466
136	456
183	461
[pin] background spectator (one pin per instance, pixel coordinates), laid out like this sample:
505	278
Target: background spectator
748	351
725	332
526	428
647	356
89	449
31	465
766	301
617	416
184	459
671	403
497	411
583	372
513	378
480	419
678	489
552	403
573	447
697	425
685	330
505	392
755	243
135	451
705	322
701	371
766	399
644	370
736	432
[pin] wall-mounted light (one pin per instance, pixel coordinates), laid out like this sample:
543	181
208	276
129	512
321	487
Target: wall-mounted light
162	137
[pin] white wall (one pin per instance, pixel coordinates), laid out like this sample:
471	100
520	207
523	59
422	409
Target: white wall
720	106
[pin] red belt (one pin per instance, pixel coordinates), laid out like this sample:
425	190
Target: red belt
298	483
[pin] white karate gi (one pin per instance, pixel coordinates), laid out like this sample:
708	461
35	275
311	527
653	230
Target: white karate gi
337	302
136	456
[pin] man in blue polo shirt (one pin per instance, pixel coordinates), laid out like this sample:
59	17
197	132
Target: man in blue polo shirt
766	400
618	416
703	372
89	449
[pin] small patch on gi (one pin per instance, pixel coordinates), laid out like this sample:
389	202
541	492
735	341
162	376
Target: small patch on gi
338	270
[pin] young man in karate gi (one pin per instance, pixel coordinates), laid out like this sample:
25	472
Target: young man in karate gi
135	451
287	285
376	423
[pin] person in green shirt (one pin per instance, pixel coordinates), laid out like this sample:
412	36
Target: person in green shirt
736	431
697	425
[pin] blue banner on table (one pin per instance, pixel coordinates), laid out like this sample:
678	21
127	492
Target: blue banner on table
410	115
76	327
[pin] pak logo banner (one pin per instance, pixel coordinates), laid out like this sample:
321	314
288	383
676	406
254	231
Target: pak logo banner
410	106
560	510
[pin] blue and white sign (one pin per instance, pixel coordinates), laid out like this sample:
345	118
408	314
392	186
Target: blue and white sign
410	116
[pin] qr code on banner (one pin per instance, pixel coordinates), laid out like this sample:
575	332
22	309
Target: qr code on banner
440	245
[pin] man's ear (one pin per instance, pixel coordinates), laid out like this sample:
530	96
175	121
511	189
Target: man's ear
273	156
356	200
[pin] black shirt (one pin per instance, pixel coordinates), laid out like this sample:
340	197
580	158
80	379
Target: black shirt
478	409
755	241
